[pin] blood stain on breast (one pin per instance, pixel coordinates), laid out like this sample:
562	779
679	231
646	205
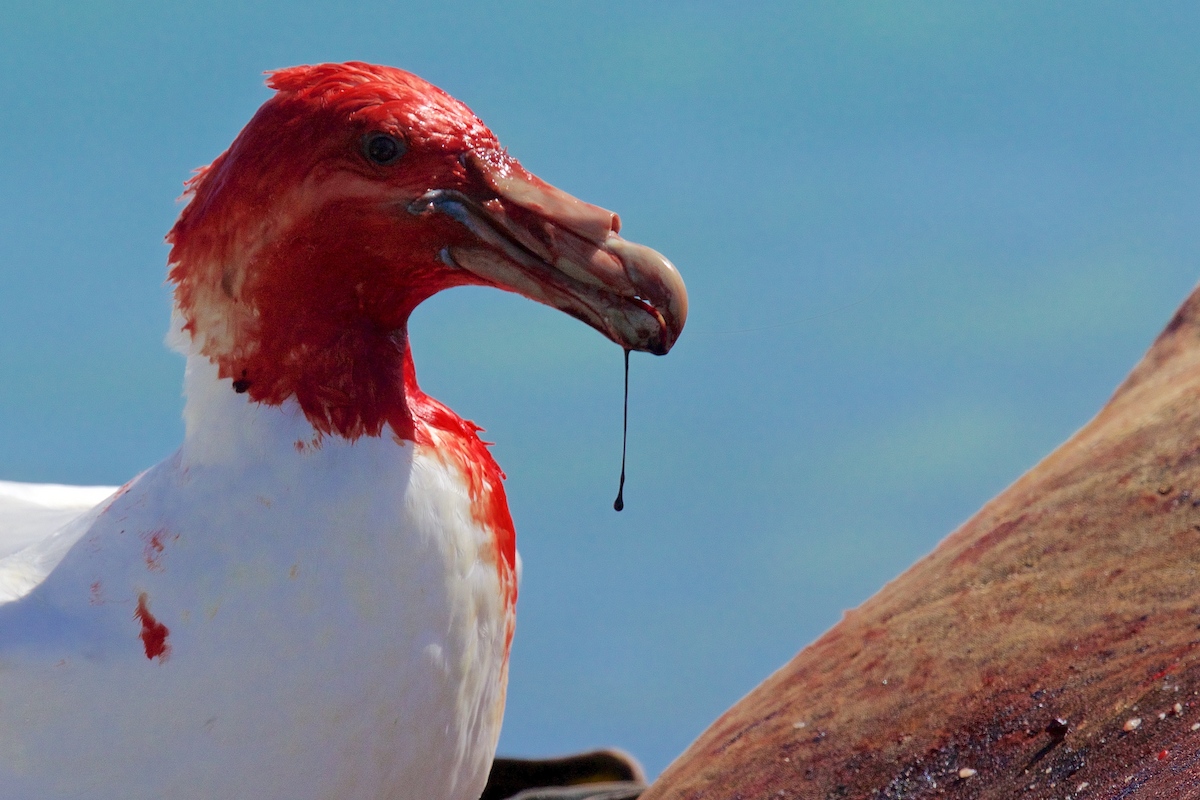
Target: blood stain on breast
154	633
155	545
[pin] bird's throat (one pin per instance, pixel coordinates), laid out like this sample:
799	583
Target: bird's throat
358	383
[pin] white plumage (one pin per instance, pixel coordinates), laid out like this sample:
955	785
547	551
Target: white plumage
31	511
336	625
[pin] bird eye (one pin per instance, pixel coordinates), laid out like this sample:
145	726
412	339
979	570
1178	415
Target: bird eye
382	148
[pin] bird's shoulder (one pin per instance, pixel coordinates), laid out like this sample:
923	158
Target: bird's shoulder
30	512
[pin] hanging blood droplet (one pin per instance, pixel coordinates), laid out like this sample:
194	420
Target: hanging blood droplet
619	503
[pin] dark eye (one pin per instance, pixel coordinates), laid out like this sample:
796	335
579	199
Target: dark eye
382	148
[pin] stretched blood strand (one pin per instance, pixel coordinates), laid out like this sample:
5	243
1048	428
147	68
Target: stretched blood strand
619	503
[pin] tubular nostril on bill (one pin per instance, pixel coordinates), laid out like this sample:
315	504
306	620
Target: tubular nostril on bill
615	227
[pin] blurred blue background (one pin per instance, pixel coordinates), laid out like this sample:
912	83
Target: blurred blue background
924	241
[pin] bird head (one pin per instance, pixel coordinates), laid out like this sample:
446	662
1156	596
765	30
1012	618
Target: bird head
355	193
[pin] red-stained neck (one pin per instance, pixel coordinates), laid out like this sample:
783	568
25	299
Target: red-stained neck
456	442
327	323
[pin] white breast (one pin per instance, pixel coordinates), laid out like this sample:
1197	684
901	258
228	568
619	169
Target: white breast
335	625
